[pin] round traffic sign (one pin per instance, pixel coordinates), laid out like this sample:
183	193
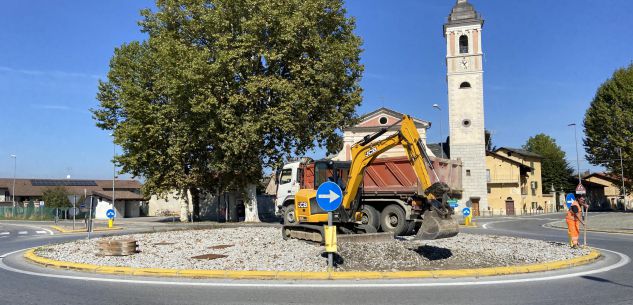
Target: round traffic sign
329	196
73	211
569	199
466	212
110	213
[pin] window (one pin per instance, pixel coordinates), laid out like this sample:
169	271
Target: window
463	44
383	120
467	172
466	123
489	190
286	176
464	85
488	176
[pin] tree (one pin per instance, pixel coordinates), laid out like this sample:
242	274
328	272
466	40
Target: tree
609	123
555	171
488	141
56	197
222	89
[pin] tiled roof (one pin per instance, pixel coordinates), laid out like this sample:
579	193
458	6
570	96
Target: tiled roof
25	187
119	195
520	151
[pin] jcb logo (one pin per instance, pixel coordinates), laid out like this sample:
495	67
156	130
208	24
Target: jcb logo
303	204
370	152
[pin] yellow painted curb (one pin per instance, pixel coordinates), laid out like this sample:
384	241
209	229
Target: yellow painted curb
299	275
62	230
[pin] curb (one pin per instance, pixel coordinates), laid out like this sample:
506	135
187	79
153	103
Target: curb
297	275
549	225
62	230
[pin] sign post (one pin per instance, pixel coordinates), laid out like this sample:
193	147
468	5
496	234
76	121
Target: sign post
580	190
110	214
468	216
329	197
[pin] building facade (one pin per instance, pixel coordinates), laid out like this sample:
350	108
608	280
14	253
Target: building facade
373	122
129	202
464	64
514	183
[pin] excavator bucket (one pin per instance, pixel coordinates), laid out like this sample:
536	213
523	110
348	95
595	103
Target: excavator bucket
437	225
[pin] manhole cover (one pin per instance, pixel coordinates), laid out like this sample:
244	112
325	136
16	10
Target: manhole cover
163	243
219	247
209	256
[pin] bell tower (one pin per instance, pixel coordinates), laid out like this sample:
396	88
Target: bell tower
464	77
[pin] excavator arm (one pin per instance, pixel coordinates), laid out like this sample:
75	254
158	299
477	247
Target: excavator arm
364	152
437	220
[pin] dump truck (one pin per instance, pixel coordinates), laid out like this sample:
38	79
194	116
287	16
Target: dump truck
395	195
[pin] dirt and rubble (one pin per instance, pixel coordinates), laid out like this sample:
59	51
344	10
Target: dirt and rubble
249	248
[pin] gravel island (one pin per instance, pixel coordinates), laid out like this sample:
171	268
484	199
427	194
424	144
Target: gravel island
260	248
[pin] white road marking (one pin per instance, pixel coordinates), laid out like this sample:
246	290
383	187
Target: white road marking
41	232
624	259
37	228
5	233
23	232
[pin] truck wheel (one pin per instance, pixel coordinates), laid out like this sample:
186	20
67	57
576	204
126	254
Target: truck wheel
370	216
289	215
392	219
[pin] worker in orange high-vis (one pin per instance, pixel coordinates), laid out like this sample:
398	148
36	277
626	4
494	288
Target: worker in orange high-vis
574	218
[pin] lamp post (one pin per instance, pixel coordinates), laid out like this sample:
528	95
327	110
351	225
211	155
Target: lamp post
577	158
15	161
113	167
436	106
622	174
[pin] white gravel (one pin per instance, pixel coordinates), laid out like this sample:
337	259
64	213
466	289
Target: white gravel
257	248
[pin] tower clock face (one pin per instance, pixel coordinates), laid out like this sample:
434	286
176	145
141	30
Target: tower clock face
464	63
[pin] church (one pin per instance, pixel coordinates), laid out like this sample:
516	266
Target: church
464	64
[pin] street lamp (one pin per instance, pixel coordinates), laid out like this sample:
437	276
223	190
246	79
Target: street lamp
577	158
113	167
622	174
436	106
15	161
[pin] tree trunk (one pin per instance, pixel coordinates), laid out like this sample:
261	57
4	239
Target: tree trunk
250	204
183	199
195	203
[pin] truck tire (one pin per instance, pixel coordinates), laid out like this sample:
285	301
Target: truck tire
370	216
392	220
289	215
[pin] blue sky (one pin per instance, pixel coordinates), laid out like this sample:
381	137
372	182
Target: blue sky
543	63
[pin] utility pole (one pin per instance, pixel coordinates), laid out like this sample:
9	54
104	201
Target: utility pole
622	175
436	106
113	167
15	161
577	157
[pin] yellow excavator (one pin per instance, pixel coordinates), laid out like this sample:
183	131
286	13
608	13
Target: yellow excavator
430	207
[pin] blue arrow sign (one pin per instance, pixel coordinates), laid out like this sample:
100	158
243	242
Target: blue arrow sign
466	212
110	213
569	199
329	196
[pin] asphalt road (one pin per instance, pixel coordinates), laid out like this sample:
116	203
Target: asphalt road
35	285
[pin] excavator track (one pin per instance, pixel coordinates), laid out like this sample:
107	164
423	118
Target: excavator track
315	233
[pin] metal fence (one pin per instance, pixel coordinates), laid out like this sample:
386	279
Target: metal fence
37	213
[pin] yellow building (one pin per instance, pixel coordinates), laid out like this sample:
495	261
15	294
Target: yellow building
514	183
612	189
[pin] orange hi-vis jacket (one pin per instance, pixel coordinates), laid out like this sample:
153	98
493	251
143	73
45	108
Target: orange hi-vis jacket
570	214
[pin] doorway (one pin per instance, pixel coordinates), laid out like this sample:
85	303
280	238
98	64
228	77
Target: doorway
510	206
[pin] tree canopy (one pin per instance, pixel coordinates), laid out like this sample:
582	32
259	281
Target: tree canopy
56	197
221	89
609	123
555	171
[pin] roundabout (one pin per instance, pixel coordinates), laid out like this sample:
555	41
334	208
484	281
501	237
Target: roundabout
607	278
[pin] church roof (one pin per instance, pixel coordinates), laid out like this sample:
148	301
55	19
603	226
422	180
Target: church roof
463	13
372	121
